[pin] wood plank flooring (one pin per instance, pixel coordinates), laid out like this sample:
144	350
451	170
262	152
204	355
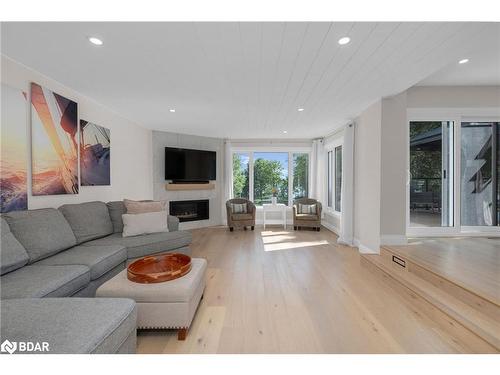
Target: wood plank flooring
473	263
278	291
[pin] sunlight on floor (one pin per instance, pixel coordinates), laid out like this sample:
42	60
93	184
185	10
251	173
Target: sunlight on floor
284	244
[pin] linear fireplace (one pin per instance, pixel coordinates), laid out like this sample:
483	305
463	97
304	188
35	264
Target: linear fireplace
190	210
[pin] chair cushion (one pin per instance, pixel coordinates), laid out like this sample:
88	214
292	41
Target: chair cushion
146	244
70	325
36	281
100	259
88	220
309	209
116	210
239	208
307	217
237	217
42	232
12	253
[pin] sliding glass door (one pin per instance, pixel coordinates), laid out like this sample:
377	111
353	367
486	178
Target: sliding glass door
431	174
480	168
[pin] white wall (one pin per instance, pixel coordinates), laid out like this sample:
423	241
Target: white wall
131	170
367	157
166	139
453	97
393	170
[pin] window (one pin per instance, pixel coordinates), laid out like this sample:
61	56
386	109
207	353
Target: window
259	175
270	171
330	179
300	175
334	178
241	179
338	177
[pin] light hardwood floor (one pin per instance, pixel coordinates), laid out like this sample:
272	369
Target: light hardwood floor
279	291
473	263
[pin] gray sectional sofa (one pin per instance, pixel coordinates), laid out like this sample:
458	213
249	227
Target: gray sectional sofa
70	252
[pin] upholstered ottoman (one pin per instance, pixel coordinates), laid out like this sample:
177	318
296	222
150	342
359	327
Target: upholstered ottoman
168	305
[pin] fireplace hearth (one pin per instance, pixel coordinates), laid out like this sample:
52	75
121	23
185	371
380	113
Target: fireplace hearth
191	210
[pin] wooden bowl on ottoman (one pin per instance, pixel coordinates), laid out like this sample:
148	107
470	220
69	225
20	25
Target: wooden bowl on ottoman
159	268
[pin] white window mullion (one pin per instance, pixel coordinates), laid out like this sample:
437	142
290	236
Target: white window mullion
250	176
290	178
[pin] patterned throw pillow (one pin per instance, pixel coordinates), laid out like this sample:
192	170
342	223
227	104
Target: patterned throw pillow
309	209
239	208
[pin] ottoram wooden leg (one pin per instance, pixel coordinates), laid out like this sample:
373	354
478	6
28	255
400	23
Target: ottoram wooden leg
181	334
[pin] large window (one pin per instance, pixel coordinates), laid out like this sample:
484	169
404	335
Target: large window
334	179
270	171
259	175
300	175
338	177
241	179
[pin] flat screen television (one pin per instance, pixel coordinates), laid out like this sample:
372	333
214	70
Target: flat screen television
186	165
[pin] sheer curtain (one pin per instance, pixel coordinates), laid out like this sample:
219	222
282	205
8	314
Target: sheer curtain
228	176
347	215
318	180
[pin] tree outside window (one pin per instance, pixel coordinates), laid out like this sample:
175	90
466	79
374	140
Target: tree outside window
240	175
270	171
300	175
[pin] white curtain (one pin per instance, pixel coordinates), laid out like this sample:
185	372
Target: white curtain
317	182
347	215
228	176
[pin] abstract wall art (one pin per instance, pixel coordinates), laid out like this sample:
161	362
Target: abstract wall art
13	163
54	145
95	154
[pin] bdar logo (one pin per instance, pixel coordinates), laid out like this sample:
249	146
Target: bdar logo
8	346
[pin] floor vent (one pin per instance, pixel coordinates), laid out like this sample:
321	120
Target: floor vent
399	261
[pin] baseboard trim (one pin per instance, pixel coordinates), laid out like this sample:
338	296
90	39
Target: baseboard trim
363	249
393	239
331	227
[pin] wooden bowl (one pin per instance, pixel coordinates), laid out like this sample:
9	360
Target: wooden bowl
158	268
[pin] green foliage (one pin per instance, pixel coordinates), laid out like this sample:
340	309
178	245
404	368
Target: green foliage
240	177
268	174
300	175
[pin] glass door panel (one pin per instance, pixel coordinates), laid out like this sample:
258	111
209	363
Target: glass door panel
479	167
431	174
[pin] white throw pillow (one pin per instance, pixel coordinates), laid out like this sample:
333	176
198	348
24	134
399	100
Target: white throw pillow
150	222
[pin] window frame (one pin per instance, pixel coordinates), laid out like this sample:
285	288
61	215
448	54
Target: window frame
251	150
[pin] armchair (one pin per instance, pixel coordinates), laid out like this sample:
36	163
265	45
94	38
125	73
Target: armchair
310	220
240	220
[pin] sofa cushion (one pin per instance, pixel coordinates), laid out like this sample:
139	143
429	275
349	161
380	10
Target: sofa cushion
147	244
42	232
146	223
36	281
12	253
141	207
88	220
100	259
116	209
71	325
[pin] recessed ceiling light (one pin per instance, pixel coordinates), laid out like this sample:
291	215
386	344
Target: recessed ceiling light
172	110
284	131
96	41
300	109
344	40
463	61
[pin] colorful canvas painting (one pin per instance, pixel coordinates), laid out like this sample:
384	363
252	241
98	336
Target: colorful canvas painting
13	163
95	154
54	150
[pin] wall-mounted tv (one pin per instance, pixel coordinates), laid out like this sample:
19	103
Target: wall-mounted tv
186	165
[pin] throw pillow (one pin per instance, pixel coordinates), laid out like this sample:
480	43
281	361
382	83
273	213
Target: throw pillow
309	209
140	207
239	208
149	222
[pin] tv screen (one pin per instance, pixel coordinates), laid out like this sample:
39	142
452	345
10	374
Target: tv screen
183	164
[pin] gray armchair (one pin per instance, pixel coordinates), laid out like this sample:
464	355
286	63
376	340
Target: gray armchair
240	220
309	220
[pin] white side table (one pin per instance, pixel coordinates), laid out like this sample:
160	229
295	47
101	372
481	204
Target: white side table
279	207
